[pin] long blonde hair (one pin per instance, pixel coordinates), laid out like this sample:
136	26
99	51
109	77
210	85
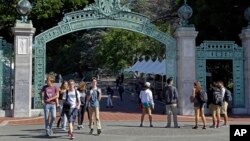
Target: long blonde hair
62	87
198	87
82	86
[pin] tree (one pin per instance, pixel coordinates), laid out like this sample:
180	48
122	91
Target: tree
44	14
220	20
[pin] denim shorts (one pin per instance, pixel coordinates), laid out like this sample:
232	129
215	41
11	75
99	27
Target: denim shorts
72	114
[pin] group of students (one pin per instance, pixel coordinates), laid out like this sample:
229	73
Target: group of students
216	98
74	102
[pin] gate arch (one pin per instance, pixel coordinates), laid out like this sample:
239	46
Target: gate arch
223	50
101	14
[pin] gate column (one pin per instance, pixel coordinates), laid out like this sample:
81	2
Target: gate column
23	69
245	38
186	66
23	32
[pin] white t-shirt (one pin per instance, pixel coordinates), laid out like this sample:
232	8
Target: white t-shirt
223	90
82	94
146	96
72	97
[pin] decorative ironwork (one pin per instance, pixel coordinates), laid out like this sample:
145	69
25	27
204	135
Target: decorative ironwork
101	14
222	50
107	7
5	75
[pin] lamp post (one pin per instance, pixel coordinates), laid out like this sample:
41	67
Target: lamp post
185	12
24	8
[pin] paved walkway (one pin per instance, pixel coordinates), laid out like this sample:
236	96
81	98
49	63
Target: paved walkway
119	123
126	110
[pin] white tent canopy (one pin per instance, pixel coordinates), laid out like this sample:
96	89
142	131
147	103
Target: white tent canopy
149	67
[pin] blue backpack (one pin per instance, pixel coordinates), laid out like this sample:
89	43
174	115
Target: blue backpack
94	102
228	96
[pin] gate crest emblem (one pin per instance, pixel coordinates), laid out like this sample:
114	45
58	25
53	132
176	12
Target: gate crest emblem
107	7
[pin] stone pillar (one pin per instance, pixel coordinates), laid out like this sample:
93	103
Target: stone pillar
186	76
23	69
245	38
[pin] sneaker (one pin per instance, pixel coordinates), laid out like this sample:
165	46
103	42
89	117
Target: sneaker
49	132
212	126
224	125
72	136
195	127
99	131
91	131
79	127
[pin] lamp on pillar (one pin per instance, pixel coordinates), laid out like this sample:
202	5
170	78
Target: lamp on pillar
185	12
23	8
247	16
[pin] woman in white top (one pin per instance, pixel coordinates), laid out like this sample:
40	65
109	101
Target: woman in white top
147	102
82	91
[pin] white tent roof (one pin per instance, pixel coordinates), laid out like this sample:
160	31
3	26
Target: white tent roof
161	68
149	67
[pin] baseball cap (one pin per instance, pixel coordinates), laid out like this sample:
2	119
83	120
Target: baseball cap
147	84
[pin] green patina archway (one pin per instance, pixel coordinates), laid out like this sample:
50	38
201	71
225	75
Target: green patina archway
101	14
223	50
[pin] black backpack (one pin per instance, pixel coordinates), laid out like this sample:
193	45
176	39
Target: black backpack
228	96
203	96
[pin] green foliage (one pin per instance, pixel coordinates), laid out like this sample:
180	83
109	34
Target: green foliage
44	9
220	20
119	48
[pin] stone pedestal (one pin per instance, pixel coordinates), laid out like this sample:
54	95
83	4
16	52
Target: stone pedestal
186	76
23	69
245	38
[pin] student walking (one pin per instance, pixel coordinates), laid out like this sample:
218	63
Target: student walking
198	104
171	99
63	119
216	104
227	97
49	94
83	99
94	98
71	106
147	101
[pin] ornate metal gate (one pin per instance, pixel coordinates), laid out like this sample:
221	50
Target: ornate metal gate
5	75
101	14
218	50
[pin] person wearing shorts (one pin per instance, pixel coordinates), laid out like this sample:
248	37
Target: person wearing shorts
147	102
